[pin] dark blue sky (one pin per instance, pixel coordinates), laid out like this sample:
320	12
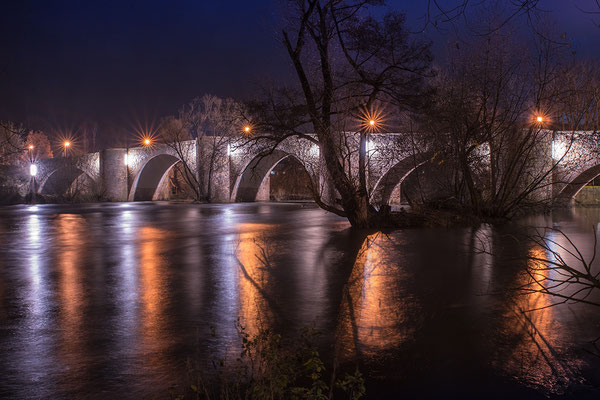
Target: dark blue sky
116	62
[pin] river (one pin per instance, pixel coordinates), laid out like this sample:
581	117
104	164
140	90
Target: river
111	300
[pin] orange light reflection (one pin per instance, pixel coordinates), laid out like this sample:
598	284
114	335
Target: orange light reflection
373	310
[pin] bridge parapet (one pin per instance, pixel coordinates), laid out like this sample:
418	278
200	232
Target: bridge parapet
241	166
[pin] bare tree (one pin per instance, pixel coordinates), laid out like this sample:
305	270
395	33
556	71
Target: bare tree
579	107
38	145
12	152
213	122
205	125
489	123
174	134
350	65
12	143
561	270
88	132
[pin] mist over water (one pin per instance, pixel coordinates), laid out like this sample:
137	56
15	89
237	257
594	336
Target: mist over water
112	299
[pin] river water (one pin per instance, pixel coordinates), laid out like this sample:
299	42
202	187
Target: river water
111	300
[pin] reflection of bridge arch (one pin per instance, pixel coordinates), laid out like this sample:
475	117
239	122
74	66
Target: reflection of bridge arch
61	179
384	187
150	177
255	173
575	185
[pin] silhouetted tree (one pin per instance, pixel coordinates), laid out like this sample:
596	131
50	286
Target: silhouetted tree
349	65
211	122
489	122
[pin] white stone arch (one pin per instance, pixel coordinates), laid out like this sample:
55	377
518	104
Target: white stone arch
574	186
255	172
151	175
394	176
59	180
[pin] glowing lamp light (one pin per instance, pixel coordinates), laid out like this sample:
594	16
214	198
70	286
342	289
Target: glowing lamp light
371	120
247	129
540	119
67	144
30	147
147	142
33	170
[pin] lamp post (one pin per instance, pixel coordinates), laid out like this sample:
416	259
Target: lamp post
66	145
33	170
126	168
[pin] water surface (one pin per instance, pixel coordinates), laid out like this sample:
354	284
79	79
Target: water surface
110	300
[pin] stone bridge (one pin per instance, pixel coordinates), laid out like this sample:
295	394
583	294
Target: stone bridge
241	168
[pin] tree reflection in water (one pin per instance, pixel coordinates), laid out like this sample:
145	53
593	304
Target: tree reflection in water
533	333
373	312
253	258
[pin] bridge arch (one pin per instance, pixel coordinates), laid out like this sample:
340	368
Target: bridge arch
59	181
150	177
254	174
570	190
385	185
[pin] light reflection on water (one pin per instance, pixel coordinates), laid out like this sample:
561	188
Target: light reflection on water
113	299
253	257
374	306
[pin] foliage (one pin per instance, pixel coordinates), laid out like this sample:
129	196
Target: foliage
269	367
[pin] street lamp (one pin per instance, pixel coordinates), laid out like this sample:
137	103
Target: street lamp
371	120
371	124
33	170
147	142
540	119
66	145
247	129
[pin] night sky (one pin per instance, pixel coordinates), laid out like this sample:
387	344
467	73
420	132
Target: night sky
118	62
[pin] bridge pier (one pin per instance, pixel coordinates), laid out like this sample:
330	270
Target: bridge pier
264	191
213	163
113	172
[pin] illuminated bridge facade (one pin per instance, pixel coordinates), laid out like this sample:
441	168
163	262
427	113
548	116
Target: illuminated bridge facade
241	170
